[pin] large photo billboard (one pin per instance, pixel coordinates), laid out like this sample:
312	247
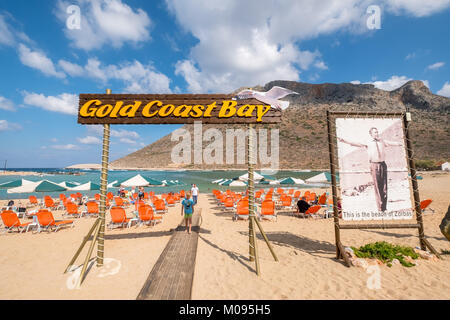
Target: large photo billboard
373	169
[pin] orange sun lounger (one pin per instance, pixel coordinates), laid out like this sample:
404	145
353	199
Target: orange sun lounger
147	216
11	221
47	221
119	218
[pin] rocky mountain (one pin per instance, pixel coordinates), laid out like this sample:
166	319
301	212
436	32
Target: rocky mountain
303	130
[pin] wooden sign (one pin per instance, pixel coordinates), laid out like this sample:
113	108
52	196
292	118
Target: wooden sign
172	109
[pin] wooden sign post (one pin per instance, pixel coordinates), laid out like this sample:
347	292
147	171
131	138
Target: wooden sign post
110	108
331	117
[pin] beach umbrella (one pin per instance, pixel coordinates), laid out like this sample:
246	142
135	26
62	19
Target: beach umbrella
291	180
256	177
88	186
274	182
264	182
180	183
68	184
225	182
218	180
136	181
237	183
40	186
323	177
153	182
114	184
15	183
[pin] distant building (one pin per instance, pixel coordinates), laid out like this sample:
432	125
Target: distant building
446	166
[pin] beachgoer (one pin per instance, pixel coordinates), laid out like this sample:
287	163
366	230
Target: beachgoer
376	149
302	206
141	193
187	205
194	192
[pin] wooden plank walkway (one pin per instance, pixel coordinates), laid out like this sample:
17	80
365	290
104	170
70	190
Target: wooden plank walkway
172	276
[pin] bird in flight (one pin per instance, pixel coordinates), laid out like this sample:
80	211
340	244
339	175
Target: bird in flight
270	97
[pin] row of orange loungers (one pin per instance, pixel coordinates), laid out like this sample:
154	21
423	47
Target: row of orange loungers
145	213
285	202
45	221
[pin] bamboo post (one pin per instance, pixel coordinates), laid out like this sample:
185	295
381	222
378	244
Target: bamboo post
339	250
251	198
82	244
412	170
103	188
266	239
88	256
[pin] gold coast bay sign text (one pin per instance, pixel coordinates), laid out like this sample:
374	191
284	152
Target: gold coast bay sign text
172	108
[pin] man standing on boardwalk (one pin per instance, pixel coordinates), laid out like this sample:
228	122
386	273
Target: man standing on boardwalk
187	205
194	192
376	148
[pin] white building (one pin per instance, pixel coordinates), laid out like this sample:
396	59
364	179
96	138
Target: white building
446	166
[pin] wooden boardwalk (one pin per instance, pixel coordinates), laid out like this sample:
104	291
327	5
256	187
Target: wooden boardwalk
172	276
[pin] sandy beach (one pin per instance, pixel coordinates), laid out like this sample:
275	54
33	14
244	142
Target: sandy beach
32	265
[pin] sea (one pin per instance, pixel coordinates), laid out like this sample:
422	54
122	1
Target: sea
202	178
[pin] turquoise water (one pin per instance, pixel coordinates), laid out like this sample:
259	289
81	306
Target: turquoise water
201	178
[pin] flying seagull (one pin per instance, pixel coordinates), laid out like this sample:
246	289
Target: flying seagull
271	97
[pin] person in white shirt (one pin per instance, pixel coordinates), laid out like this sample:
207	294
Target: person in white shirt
376	149
194	192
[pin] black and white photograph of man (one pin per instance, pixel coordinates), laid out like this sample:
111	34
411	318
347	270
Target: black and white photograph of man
373	168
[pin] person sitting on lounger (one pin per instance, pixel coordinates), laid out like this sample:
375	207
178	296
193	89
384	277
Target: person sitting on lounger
302	206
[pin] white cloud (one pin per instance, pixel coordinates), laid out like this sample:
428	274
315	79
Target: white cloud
64	103
109	22
418	8
9	35
6	34
128	141
38	60
248	43
71	69
394	82
138	78
355	82
97	130
65	147
410	56
321	65
9	126
89	140
121	133
445	90
436	66
6	104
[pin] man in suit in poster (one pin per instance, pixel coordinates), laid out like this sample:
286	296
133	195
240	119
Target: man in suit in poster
376	149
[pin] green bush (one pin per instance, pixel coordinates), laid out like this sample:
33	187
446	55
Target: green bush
386	252
426	165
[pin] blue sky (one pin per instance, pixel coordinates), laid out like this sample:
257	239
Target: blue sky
197	46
